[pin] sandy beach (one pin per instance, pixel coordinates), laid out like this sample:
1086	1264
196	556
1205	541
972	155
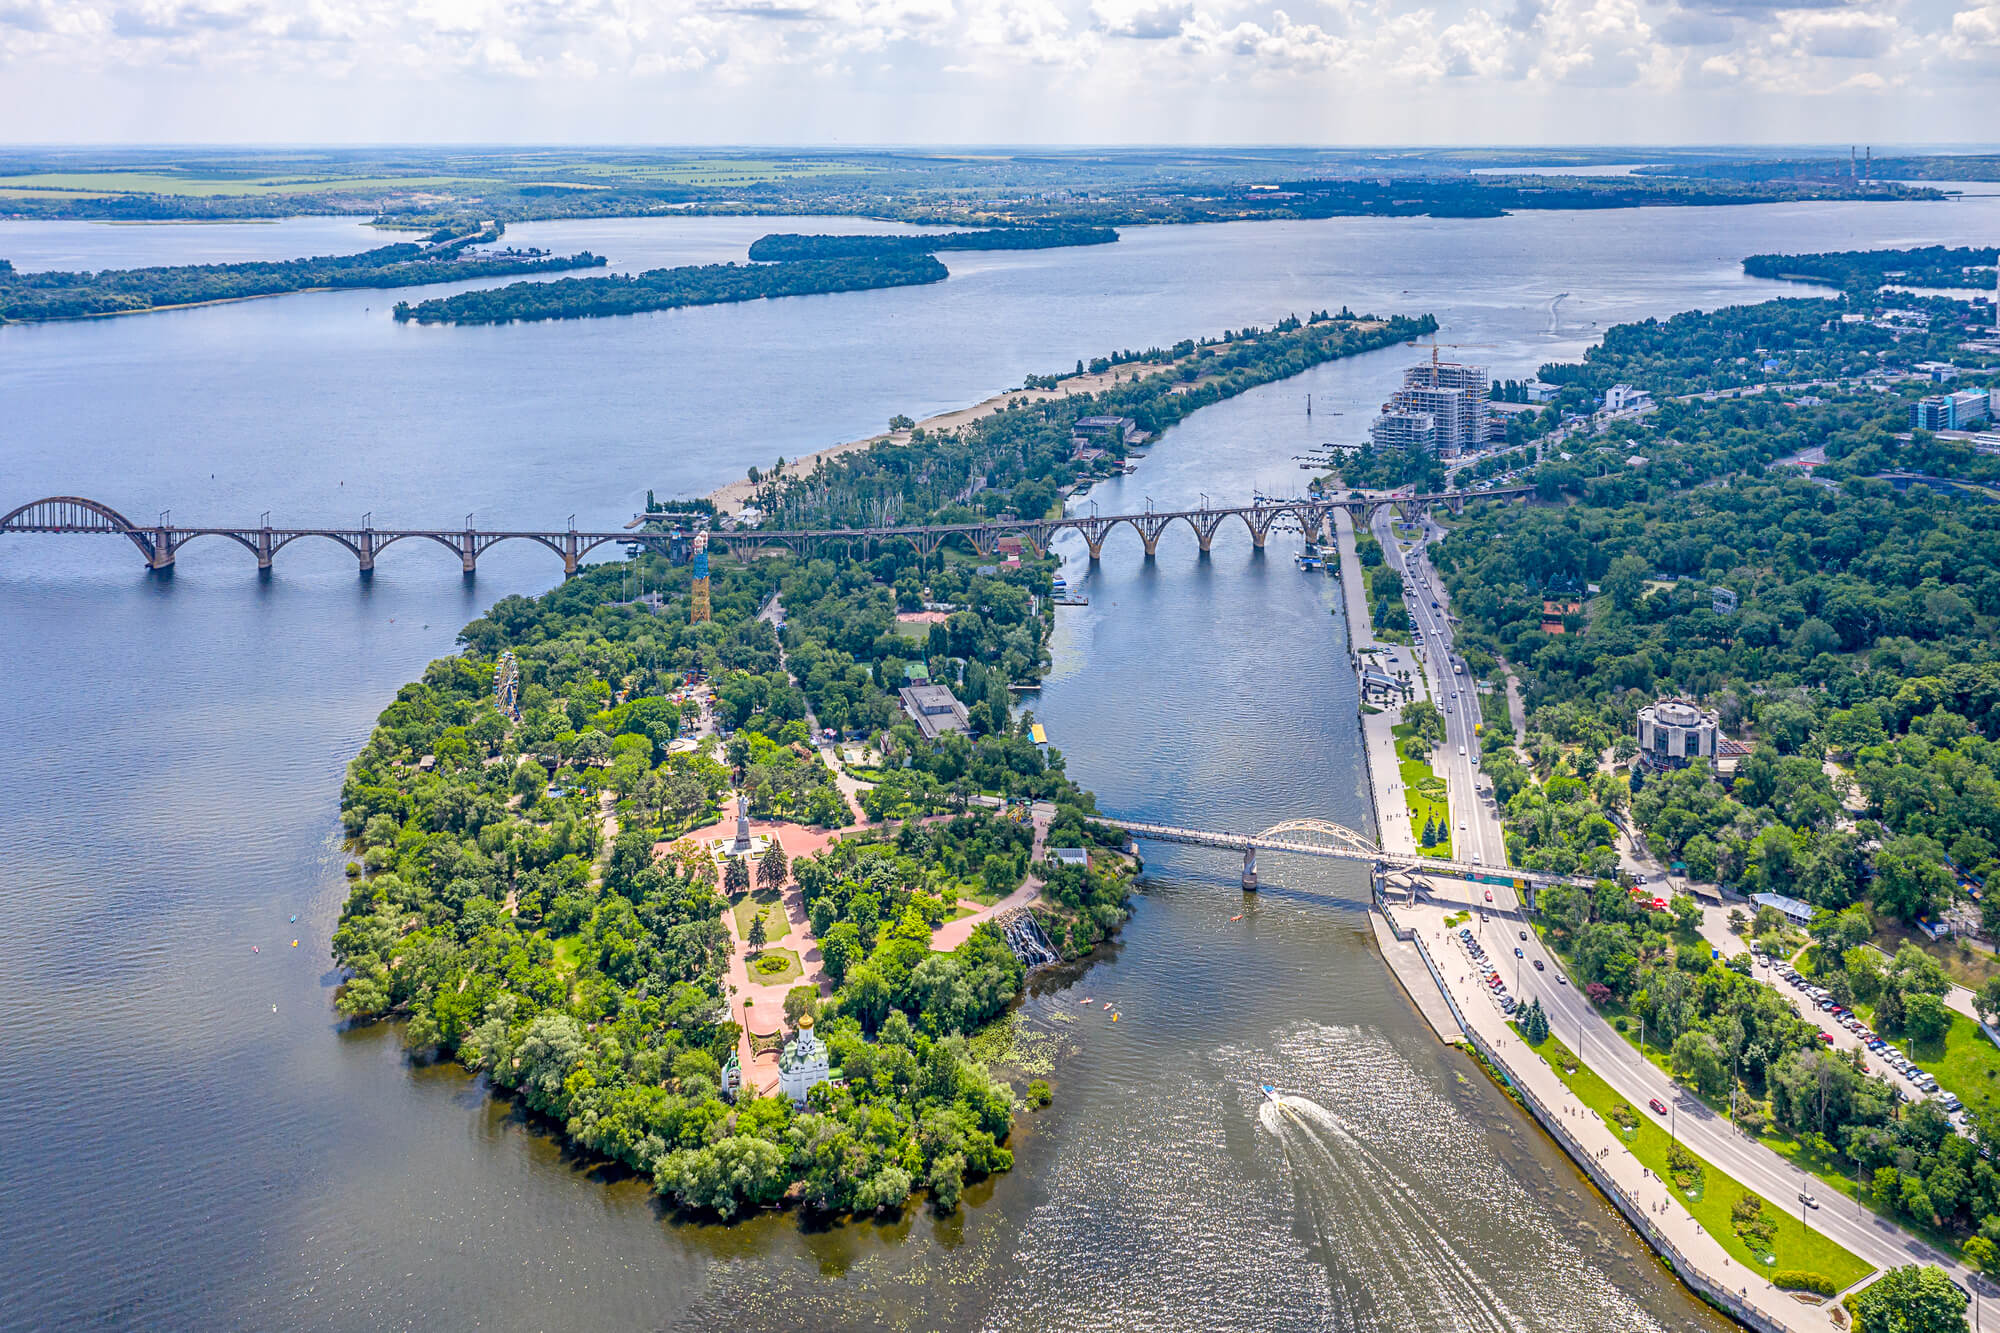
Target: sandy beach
729	499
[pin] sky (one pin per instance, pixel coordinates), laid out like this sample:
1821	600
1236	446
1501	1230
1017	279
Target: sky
693	72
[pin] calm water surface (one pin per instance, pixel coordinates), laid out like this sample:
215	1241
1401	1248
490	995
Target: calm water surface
190	1140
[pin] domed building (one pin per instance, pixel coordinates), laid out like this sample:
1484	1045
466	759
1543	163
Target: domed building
803	1064
1673	732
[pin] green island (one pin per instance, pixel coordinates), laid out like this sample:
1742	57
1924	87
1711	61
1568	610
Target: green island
1826	581
1865	270
27	297
791	246
538	892
673	288
1018	459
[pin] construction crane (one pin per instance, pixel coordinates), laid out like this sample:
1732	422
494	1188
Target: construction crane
1434	345
698	605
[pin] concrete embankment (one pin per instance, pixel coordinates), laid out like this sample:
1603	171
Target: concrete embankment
1378	742
1646	1202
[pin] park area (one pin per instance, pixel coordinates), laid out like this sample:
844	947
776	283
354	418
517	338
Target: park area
1423	793
1755	1231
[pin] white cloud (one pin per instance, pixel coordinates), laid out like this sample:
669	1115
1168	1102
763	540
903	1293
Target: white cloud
987	69
1148	20
1848	34
1975	32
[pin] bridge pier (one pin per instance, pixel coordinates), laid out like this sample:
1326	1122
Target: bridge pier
161	561
1250	870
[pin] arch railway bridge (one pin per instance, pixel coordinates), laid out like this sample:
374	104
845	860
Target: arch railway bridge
160	542
1318	837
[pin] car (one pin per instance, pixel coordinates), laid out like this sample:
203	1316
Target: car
1518	953
1489	892
1540	966
1806	1198
1561	979
1659	1107
1826	1037
1523	934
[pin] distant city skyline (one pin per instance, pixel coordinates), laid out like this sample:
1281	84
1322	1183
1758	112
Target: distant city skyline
850	72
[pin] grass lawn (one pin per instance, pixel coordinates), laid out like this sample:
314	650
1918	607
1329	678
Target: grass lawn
568	949
785	964
1713	1195
1413	773
976	890
766	901
1965	1062
1969	967
1827	1167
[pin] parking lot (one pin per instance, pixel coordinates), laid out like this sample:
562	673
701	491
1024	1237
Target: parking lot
1840	1028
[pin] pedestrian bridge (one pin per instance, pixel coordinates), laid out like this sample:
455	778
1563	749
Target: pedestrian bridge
1319	837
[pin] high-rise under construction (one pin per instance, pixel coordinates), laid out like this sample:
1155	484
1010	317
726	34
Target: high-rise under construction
698	607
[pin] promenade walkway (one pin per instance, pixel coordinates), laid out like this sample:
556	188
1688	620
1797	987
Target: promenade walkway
1648	1202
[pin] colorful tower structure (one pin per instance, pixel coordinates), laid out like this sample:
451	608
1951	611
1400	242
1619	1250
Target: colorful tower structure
698	609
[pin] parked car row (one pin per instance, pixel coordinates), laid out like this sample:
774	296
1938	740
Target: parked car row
1487	972
1918	1077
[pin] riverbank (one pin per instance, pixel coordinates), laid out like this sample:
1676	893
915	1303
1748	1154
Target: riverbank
730	498
1648	1203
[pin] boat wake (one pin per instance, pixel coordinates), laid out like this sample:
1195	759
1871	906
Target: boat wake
1347	1194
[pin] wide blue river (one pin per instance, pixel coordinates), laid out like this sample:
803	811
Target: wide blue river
191	1141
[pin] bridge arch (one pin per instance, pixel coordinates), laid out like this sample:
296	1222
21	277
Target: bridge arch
282	543
492	542
74	513
1321	830
236	537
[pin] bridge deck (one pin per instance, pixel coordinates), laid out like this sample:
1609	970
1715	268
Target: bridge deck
1368	853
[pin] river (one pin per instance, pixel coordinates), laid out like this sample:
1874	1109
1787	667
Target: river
192	1142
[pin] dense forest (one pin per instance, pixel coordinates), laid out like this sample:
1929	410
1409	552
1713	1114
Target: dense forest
781	246
1860	668
62	295
671	288
1015	461
583	973
585	977
1866	270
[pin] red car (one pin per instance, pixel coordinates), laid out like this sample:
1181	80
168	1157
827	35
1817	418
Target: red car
1659	1107
1489	895
1826	1037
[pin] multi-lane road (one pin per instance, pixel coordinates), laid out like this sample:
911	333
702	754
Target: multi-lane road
1477	833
